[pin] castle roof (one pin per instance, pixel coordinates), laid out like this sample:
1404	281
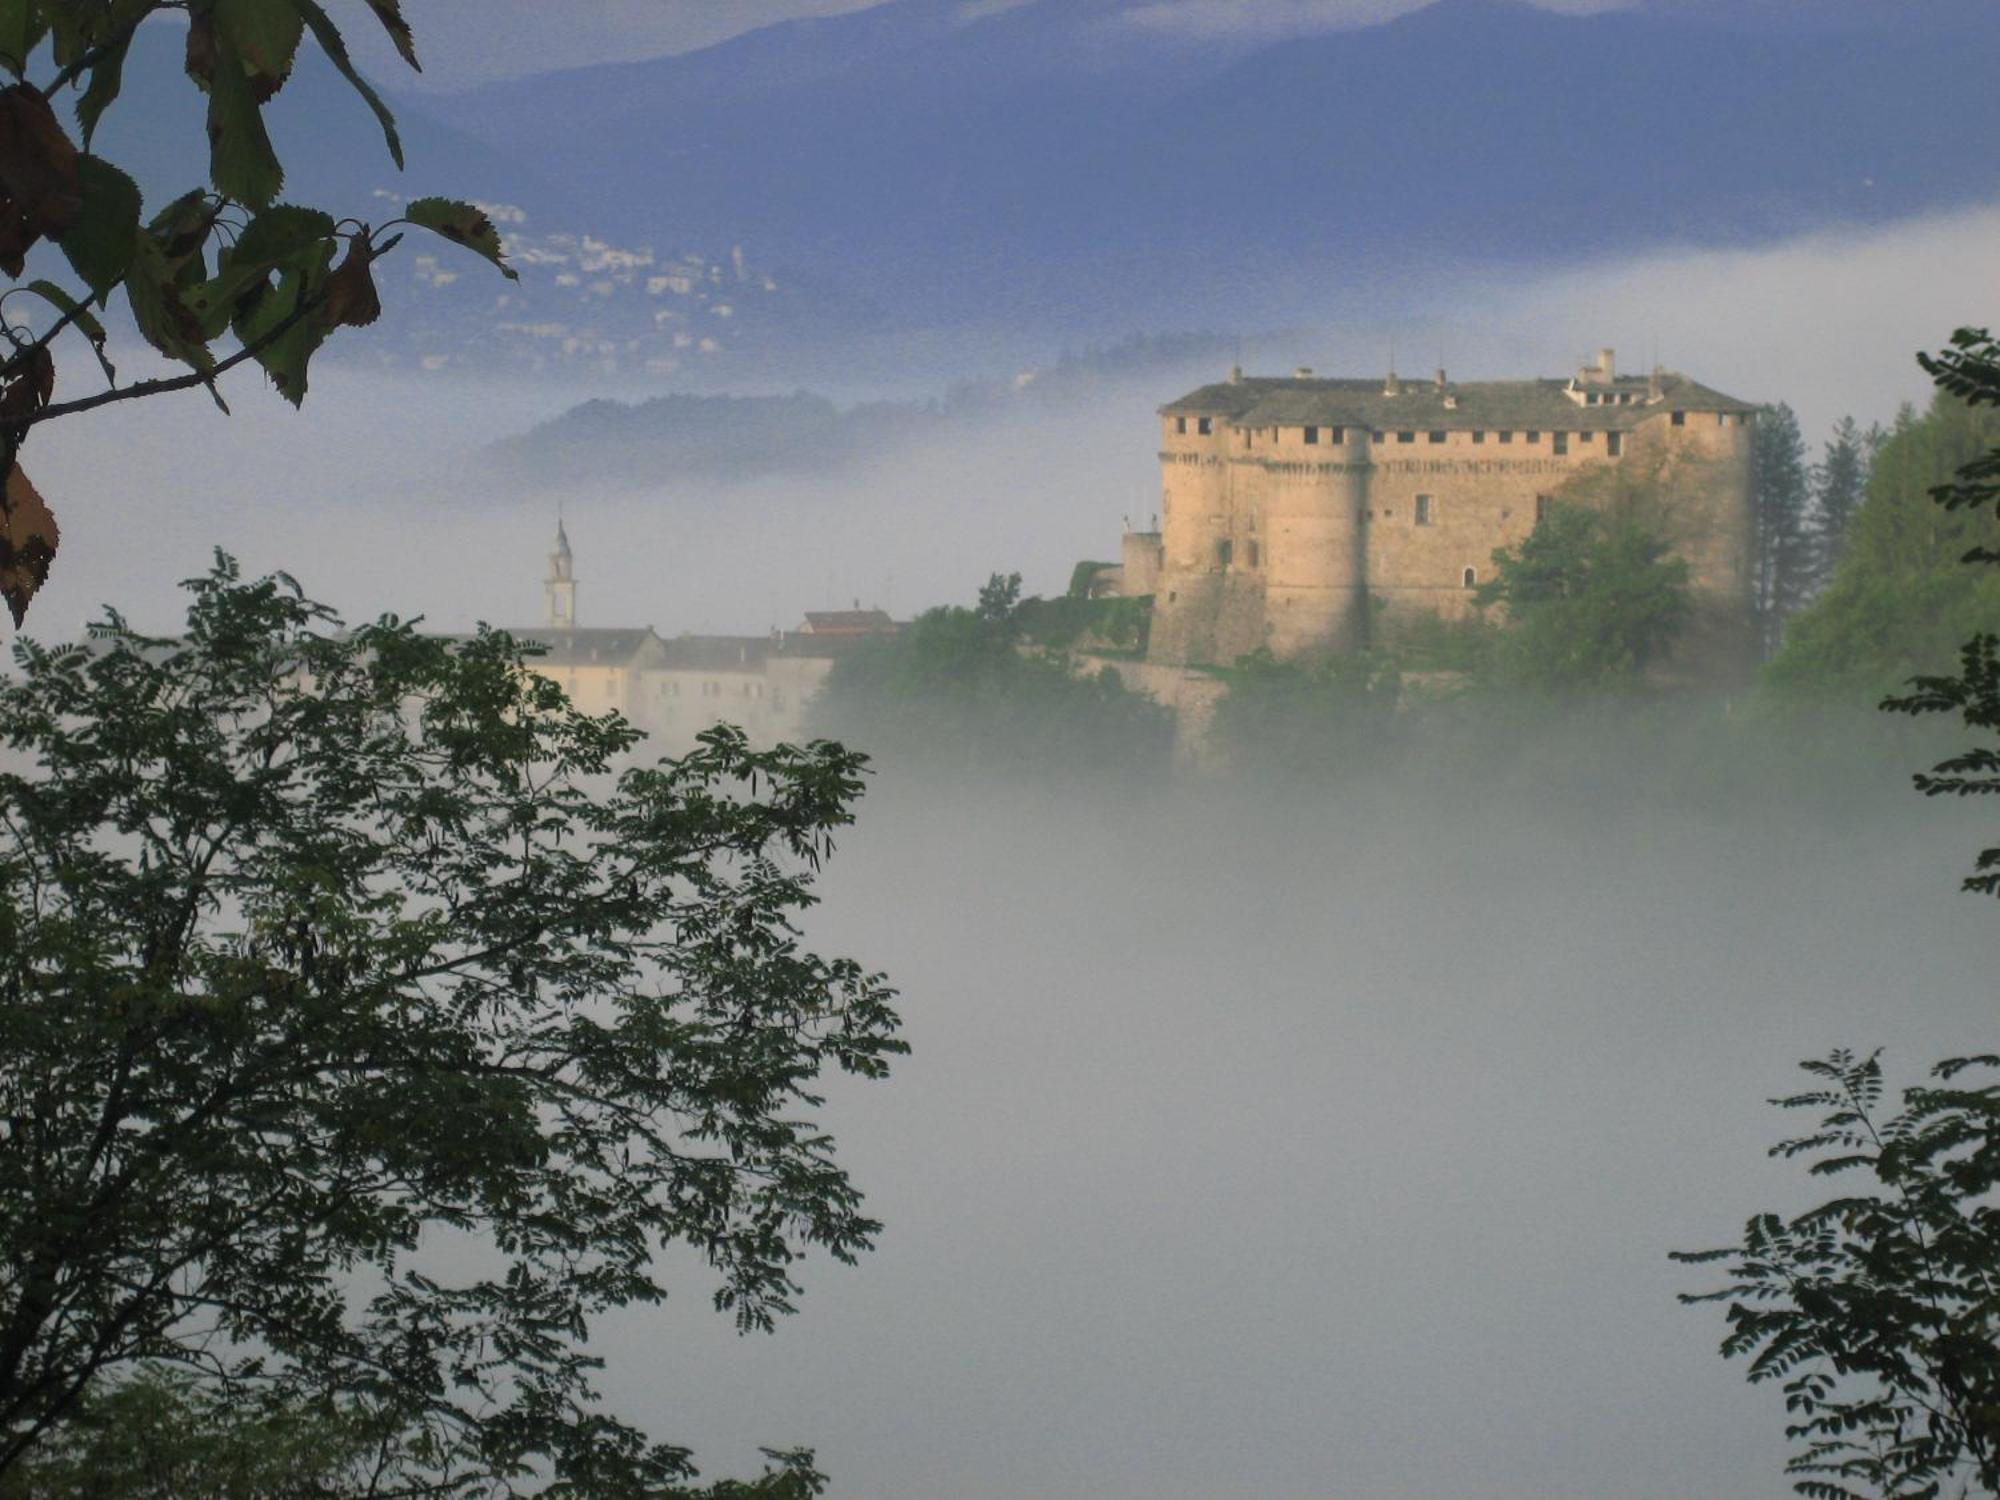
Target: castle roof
1478	405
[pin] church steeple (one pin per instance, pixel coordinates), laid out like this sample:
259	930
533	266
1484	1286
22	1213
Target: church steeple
560	585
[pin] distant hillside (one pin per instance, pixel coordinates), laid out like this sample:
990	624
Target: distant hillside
738	437
1075	168
1062	159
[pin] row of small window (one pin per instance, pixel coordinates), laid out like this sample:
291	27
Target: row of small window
1225	550
1614	442
1424	513
713	689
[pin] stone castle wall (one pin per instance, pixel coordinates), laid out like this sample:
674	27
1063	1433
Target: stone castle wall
1271	541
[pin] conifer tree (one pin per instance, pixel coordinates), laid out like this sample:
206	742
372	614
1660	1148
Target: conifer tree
1783	555
1839	483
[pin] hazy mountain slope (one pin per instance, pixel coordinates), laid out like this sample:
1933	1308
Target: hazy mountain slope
1056	157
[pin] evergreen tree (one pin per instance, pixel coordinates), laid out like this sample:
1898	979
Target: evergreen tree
1839	482
1783	543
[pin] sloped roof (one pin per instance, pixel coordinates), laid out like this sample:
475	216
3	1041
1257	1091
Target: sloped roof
848	622
619	646
714	653
1478	405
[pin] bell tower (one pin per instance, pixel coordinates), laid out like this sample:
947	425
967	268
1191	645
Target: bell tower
560	585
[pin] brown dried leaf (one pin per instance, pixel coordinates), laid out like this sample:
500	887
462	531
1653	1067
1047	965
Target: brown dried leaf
351	297
201	48
28	539
31	387
39	184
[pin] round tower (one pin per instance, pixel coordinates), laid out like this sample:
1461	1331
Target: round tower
1316	549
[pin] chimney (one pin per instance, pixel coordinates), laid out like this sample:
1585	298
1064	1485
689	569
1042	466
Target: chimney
1303	372
1656	386
1607	365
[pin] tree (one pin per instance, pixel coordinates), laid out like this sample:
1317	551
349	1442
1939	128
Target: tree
1839	483
1592	599
1877	1310
1901	603
977	687
158	1435
224	263
318	947
1782	541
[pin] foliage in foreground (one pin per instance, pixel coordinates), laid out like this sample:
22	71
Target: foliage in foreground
1878	1310
226	262
319	950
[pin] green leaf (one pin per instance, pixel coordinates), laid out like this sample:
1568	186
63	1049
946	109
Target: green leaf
241	163
102	241
329	39
265	34
22	28
78	314
463	224
107	77
165	321
287	352
282	235
390	14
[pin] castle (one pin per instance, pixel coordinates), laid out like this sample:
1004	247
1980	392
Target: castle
1303	514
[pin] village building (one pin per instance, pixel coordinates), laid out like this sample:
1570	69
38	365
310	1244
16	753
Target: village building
674	687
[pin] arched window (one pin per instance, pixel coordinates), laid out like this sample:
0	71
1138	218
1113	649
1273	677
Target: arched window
1223	550
1471	579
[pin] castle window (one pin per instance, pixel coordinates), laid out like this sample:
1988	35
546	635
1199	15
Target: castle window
1312	435
1203	426
1532	437
1251	554
1423	510
1375	436
1471	578
1336	434
1680	419
1437	437
1560	439
1406	437
1180	425
1223	551
1479	437
1506	437
1586	437
1543	504
1614	443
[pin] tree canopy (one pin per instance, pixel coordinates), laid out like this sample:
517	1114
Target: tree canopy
1899	603
224	264
322	951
